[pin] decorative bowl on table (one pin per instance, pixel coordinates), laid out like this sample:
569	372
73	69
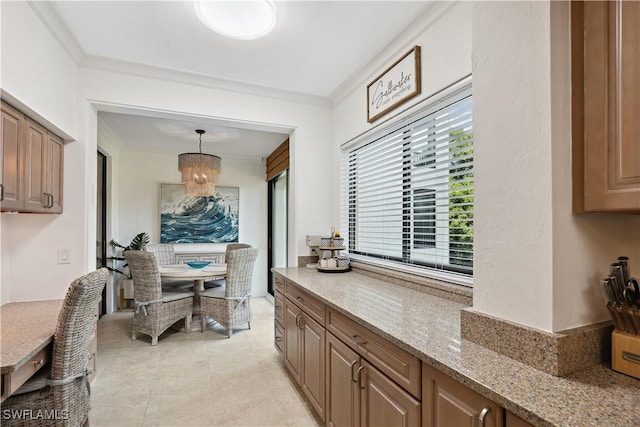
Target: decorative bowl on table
198	264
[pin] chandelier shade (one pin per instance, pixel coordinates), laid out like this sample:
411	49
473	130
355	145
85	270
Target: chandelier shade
199	171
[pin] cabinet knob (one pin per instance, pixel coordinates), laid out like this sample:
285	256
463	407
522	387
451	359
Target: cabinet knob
278	339
358	340
38	362
1	192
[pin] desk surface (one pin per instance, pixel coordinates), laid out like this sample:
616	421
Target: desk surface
25	329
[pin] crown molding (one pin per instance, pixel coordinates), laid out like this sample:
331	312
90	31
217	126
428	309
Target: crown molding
48	14
143	70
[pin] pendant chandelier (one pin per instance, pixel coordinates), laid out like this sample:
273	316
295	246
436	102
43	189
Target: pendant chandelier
199	171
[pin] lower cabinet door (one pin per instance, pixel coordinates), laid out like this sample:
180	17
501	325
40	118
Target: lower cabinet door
292	340
343	398
313	377
383	403
446	402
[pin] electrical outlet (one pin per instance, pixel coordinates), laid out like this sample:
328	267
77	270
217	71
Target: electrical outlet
64	256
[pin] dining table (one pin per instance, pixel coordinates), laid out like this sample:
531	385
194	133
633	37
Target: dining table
199	276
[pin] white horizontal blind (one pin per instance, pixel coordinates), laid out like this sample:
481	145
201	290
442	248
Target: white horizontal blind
409	190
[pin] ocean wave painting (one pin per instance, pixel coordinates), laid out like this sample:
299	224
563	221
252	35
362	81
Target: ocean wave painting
188	219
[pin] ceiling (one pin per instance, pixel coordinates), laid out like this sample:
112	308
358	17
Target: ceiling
315	47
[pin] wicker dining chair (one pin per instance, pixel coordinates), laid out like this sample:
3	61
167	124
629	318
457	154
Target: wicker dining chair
231	306
62	392
155	309
221	282
165	255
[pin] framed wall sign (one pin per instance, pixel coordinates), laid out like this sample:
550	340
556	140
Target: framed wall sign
395	86
187	219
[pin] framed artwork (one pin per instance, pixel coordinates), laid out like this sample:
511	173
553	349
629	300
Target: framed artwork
189	219
395	86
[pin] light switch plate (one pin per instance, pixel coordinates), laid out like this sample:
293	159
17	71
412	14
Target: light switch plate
64	256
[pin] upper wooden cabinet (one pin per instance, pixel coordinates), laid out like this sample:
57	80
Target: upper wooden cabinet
11	147
606	106
32	165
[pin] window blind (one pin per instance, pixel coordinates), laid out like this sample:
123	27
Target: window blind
409	191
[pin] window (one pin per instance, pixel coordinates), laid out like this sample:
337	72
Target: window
409	192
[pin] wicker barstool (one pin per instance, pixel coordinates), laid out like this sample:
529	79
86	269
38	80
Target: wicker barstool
59	396
221	282
230	306
155	309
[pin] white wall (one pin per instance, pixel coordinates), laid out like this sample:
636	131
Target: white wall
40	74
310	140
535	263
142	172
444	34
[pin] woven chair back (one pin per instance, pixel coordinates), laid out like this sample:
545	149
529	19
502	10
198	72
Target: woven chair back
233	247
75	325
164	253
147	285
240	272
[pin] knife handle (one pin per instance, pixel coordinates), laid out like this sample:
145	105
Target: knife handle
614	316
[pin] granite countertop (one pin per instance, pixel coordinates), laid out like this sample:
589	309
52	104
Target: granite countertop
25	329
429	327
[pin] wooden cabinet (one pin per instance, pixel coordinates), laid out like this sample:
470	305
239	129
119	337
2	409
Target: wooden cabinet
606	106
370	381
304	347
32	165
13	123
358	394
343	391
512	420
446	402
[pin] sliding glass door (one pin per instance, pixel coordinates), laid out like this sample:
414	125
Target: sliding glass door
278	201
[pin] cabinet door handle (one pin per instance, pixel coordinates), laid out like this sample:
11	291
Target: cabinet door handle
483	416
353	377
1	192
301	326
297	321
278	339
359	373
358	340
50	200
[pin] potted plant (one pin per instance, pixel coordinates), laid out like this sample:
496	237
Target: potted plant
138	243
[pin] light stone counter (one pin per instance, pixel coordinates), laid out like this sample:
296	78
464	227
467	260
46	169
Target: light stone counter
25	329
429	327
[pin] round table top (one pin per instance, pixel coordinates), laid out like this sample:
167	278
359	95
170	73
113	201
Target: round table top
183	271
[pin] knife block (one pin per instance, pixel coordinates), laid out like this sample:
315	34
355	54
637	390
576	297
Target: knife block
625	353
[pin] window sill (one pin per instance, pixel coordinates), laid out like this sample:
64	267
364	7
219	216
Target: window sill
450	291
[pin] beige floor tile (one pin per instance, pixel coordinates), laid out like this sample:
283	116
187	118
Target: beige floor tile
196	379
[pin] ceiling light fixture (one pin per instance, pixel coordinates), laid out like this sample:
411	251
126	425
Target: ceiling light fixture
199	171
242	20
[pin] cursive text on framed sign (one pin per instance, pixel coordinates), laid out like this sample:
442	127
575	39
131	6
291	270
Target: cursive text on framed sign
395	86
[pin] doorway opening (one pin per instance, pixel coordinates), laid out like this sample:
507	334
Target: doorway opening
101	222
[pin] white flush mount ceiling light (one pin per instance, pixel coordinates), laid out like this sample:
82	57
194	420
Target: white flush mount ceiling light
239	19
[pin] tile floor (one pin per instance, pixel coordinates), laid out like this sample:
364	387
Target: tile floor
196	379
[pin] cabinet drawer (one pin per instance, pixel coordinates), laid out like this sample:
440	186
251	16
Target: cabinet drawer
26	371
310	305
402	367
278	303
278	338
279	284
